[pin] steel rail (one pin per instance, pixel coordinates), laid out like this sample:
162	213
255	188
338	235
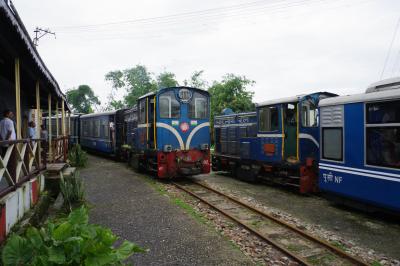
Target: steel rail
255	232
324	243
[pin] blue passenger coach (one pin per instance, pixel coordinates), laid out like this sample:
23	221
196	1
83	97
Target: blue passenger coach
360	146
102	132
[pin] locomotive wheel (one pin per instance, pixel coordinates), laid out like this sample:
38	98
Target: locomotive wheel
135	163
247	175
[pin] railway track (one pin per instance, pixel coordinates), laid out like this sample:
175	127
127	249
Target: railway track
299	245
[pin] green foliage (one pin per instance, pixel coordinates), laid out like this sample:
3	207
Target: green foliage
82	99
72	189
70	241
77	157
166	79
196	81
136	81
232	93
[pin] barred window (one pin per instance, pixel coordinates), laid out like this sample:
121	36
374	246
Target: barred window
268	119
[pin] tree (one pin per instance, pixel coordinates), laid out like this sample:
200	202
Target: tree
136	81
196	81
232	92
166	79
82	99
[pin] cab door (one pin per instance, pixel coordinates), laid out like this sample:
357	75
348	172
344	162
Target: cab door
290	127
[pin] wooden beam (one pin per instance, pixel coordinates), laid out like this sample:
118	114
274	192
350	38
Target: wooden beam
38	123
18	98
49	126
57	126
63	119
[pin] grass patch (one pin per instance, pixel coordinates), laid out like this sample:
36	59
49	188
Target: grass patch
376	263
339	245
295	248
321	260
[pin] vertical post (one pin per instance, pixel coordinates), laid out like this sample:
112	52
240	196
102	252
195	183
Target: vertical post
57	126
63	119
69	123
39	158
49	128
64	148
18	98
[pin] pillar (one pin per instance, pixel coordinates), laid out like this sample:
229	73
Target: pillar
63	119
49	126
18	99
57	126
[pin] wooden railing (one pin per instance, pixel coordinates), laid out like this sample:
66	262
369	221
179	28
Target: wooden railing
59	149
20	160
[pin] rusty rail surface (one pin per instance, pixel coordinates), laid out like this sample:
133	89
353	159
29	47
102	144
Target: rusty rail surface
304	234
20	160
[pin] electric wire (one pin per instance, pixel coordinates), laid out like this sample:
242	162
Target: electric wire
390	47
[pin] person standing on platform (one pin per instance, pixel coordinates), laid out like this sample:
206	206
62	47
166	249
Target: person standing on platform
7	129
31	130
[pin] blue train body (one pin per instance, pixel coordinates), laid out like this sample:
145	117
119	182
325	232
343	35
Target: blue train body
285	147
360	146
102	132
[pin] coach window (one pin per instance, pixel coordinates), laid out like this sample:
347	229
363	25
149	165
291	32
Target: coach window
332	143
85	128
96	128
309	114
268	119
198	106
383	134
169	105
104	128
142	111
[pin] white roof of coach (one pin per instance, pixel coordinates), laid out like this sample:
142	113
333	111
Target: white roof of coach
362	97
291	99
98	114
386	84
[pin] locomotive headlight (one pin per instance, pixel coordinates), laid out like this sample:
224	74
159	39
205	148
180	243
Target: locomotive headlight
204	146
167	148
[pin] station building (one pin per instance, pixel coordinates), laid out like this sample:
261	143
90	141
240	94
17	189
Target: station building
29	90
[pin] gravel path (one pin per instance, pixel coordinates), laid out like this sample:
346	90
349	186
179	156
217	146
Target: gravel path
135	211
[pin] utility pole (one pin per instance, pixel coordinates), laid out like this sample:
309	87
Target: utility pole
39	33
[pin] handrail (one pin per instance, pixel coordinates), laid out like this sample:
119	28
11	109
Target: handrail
21	160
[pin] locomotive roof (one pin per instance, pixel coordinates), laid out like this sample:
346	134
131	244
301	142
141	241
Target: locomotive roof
169	88
362	97
99	114
386	84
281	100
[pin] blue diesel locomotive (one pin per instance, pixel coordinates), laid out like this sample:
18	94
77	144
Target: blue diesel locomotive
168	132
286	147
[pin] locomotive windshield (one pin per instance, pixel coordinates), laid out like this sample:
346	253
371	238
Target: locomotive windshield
198	107
309	114
169	105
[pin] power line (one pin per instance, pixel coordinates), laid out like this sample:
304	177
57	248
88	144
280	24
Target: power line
390	47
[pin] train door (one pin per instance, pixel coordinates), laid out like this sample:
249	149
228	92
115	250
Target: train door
290	124
151	122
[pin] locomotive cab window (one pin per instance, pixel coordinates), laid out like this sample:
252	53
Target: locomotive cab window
169	105
268	119
198	107
309	113
383	134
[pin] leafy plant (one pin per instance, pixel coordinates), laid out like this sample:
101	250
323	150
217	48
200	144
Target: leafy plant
70	241
72	189
77	157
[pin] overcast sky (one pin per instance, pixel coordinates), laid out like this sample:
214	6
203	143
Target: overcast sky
288	47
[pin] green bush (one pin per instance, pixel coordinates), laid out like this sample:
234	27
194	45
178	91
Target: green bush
70	241
72	189
77	157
